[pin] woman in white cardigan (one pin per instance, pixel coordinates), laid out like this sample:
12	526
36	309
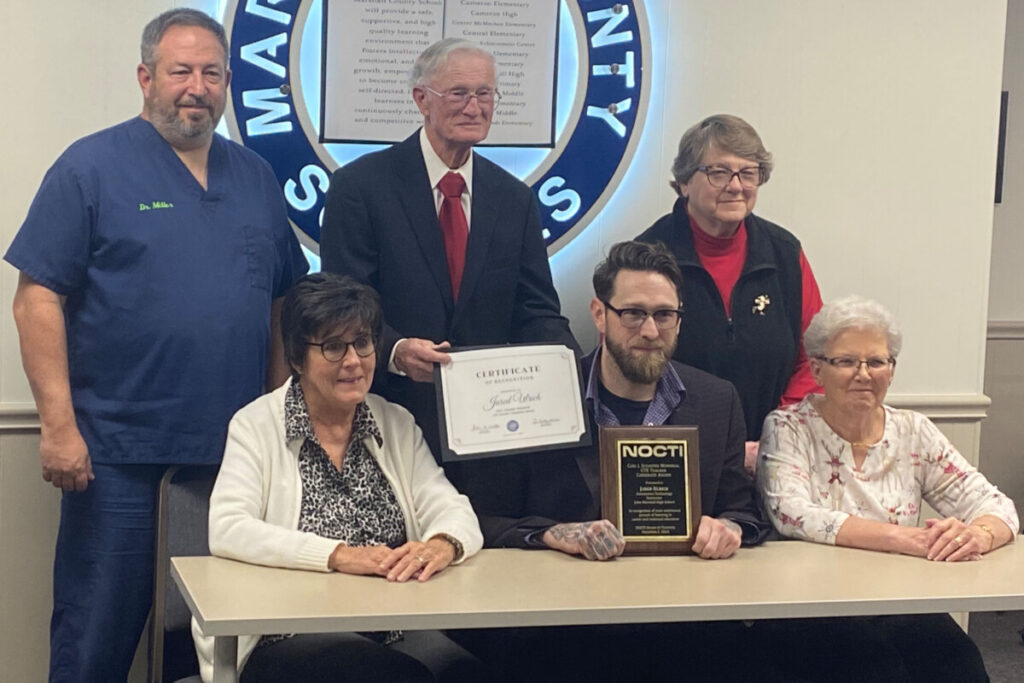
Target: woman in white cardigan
320	475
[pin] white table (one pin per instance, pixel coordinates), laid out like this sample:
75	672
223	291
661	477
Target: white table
547	588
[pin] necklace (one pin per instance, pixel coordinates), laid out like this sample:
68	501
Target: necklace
860	444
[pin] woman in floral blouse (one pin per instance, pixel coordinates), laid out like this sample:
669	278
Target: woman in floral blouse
846	469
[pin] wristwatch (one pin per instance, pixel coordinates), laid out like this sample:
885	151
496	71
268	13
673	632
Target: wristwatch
456	544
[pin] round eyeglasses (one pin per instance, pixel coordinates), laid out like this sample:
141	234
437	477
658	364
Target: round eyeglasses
718	177
335	348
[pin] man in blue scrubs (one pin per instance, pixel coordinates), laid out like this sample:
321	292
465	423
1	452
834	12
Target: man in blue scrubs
152	261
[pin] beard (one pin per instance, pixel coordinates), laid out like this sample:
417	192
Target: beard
640	368
170	122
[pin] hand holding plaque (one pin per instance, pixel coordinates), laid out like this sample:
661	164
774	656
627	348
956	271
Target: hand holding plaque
650	487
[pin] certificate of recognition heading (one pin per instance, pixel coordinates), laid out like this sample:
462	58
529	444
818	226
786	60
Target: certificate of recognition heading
509	399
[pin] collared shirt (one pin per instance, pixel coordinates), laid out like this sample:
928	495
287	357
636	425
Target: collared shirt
436	169
668	394
355	505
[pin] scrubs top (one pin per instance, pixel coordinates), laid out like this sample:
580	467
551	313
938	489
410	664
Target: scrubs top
168	288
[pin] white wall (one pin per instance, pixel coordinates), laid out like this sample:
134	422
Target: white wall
882	117
1002	434
1006	301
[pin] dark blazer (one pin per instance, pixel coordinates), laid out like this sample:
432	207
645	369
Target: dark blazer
380	226
516	495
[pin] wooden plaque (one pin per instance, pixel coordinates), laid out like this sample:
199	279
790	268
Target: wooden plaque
650	487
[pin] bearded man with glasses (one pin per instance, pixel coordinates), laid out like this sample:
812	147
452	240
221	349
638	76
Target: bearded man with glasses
450	241
552	499
750	292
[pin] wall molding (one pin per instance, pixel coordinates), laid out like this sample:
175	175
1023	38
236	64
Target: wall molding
1006	329
944	407
939	407
18	416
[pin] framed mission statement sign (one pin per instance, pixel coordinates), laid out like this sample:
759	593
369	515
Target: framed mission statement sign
650	487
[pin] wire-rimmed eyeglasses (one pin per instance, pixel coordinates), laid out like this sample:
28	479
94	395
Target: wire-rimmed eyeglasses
461	96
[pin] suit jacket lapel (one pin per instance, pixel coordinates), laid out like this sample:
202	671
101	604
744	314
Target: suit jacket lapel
417	199
686	412
484	218
588	458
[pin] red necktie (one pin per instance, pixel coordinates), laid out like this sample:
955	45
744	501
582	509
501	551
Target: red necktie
454	228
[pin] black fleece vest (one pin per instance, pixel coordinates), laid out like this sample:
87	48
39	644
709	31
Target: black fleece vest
756	347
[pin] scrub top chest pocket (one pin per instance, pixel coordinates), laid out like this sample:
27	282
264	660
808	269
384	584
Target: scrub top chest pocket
260	256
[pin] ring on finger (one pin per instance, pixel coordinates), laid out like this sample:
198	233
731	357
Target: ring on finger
959	540
421	559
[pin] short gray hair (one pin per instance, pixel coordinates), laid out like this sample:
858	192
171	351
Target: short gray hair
851	312
437	55
182	16
729	134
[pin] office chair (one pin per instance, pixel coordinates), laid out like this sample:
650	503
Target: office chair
182	513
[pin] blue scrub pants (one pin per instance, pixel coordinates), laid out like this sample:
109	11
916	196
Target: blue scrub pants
103	574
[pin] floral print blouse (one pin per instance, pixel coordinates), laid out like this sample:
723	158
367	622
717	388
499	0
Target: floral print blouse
810	484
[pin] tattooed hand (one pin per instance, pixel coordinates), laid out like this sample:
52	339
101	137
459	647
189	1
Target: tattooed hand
598	540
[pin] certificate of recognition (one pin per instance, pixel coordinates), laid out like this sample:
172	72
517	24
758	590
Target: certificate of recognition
509	399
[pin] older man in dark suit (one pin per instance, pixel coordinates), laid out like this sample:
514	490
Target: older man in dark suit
552	499
450	241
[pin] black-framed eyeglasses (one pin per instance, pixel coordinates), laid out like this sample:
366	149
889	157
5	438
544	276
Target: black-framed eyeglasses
664	318
874	364
335	348
719	177
460	97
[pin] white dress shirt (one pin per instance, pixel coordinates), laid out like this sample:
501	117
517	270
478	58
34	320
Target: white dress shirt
436	169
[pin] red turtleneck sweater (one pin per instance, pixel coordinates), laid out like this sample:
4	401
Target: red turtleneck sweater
723	258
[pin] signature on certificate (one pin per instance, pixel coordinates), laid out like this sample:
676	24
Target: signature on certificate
510	397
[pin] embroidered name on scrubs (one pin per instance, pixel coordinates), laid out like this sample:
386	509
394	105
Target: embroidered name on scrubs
155	205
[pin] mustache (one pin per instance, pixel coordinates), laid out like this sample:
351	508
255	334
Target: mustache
193	101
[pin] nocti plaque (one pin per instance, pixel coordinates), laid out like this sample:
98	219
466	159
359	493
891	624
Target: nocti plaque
650	487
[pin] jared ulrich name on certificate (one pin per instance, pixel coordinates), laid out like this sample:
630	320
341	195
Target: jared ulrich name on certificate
498	400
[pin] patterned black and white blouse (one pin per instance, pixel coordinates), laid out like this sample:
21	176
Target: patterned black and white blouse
355	505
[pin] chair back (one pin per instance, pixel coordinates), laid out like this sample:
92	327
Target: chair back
182	513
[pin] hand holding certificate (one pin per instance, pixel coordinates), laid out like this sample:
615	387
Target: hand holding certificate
509	399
